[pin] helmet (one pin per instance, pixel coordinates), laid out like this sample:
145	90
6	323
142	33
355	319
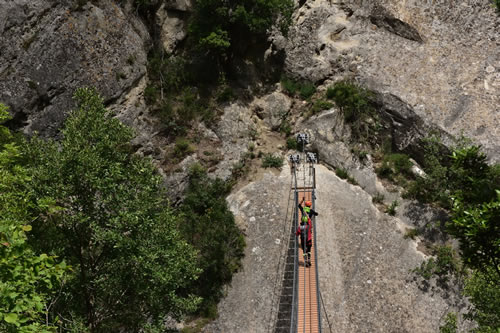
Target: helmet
308	203
304	219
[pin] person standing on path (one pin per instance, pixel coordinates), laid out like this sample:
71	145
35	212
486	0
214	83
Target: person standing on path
304	231
307	209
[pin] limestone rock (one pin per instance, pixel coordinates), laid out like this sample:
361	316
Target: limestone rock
441	59
273	108
173	29
364	262
49	49
234	130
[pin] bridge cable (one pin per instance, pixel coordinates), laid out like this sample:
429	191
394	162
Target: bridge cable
279	262
326	313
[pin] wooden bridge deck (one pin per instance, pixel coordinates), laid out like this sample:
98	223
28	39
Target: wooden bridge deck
308	308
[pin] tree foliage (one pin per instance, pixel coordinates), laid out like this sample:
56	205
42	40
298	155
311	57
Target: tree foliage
353	100
209	225
484	292
218	25
27	279
478	229
112	224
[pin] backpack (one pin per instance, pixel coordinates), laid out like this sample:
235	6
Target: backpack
303	232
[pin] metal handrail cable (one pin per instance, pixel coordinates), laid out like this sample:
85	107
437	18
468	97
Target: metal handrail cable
293	321
316	256
279	263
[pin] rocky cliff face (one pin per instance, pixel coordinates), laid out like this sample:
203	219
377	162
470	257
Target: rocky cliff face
441	58
434	65
50	48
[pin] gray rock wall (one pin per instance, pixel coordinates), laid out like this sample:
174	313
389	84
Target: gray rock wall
51	48
364	262
439	57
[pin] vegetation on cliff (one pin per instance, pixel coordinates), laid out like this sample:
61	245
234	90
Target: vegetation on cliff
90	203
458	179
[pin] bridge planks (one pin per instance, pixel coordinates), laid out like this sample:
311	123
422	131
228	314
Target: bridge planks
307	315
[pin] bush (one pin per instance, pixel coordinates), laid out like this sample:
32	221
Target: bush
343	174
320	105
306	90
411	233
291	143
353	100
444	265
182	148
483	291
225	94
391	210
285	127
270	161
289	85
462	173
393	165
210	227
150	93
497	4
450	324
222	28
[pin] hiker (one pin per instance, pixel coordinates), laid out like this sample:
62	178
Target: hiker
307	209
304	230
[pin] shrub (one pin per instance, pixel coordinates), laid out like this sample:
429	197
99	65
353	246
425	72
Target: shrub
182	148
285	127
450	324
224	94
342	173
150	93
462	173
270	161
209	226
497	4
411	233
289	85
482	290
393	165
320	105
306	90
353	100
291	143
443	265
391	210
224	27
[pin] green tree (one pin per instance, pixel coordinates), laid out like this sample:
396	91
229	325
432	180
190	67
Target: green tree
218	25
112	224
484	294
27	280
478	229
209	225
353	100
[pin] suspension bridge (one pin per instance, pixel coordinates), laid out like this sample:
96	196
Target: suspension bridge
299	309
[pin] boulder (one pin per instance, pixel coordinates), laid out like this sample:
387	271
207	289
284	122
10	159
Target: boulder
173	27
273	108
